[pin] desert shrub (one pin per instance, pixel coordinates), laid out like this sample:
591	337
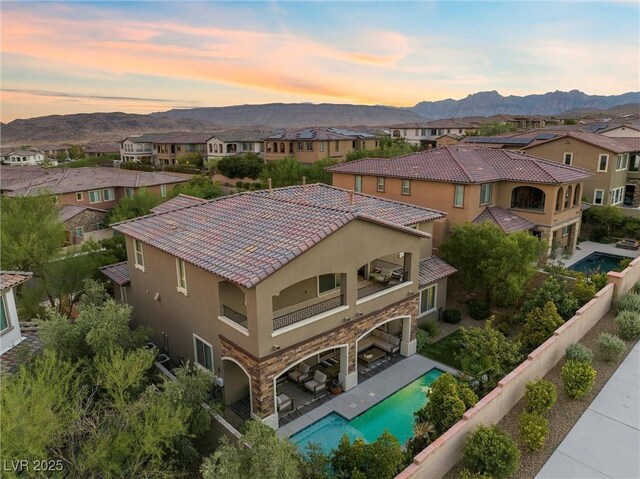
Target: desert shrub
610	346
540	396
577	378
540	323
628	302
534	430
578	352
629	325
478	309
431	328
451	316
488	450
467	474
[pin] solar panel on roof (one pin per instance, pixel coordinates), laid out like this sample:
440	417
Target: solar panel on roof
546	136
305	135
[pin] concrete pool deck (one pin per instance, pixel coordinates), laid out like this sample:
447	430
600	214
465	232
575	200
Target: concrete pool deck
368	393
585	248
605	442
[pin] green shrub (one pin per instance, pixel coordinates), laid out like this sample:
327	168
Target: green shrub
539	326
422	338
504	323
636	288
578	352
629	325
534	430
246	185
628	302
555	290
467	474
478	310
578	378
238	184
431	328
131	165
583	289
610	346
540	396
598	234
488	450
451	316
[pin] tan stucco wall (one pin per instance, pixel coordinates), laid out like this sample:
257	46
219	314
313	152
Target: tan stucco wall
70	198
306	156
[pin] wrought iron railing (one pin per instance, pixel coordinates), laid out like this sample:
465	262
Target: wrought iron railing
307	312
234	316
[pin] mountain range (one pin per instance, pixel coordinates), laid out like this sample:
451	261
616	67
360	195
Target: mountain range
95	127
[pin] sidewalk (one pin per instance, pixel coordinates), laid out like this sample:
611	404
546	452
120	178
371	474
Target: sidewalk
605	442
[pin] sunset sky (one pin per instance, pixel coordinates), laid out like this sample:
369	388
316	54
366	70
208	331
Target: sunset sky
140	57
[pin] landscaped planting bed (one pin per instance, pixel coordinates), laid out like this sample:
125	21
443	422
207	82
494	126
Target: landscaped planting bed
567	411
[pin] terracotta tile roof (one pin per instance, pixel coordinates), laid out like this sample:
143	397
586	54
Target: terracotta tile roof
183	138
313	134
630	142
117	272
10	175
70	180
10	361
601	141
332	197
245	237
432	269
10	279
180	201
241	135
69	211
508	221
466	164
102	148
146	138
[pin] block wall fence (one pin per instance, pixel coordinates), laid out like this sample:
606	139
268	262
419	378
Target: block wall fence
441	455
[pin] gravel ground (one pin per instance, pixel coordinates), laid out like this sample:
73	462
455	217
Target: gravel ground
567	411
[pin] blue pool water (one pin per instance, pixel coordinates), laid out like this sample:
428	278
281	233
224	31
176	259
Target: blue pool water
394	414
597	263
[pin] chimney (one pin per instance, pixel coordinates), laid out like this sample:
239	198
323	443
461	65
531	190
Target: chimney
351	197
304	181
269	183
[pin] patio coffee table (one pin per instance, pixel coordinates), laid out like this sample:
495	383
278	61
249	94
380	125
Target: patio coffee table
371	355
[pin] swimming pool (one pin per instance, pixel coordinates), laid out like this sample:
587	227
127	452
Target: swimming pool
395	414
598	263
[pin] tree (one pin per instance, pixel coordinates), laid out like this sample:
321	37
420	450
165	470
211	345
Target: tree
284	172
486	257
539	326
487	355
76	152
609	216
554	290
114	249
495	128
388	148
382	459
193	158
199	186
267	457
62	156
139	204
247	165
448	400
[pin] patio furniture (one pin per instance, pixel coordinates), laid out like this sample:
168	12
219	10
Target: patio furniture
317	384
284	402
300	374
381	340
628	244
371	356
383	276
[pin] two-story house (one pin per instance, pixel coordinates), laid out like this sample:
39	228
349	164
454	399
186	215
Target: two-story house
138	149
309	145
23	158
252	286
427	133
171	148
516	191
236	142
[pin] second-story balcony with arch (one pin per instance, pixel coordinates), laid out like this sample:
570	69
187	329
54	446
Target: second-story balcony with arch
528	198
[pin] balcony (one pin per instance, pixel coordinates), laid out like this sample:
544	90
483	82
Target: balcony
293	317
384	275
234	316
528	198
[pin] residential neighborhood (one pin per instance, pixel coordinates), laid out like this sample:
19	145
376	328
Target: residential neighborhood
293	240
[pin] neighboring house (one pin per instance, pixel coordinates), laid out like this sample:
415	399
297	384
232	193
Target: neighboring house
98	149
180	201
52	151
170	148
91	187
426	134
249	286
10	334
465	181
23	158
632	187
235	142
449	139
309	145
83	223
138	149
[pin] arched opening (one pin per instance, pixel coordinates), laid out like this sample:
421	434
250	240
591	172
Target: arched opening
384	342
396	133
268	147
233	304
577	197
275	147
290	147
559	199
282	150
237	388
568	196
528	198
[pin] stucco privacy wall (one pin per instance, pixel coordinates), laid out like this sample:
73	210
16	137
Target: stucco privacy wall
437	459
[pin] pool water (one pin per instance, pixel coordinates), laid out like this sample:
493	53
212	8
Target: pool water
394	414
597	263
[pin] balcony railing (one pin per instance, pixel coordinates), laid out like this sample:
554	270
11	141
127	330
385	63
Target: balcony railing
307	312
234	316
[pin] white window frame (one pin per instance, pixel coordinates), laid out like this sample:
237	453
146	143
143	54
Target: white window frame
129	192
163	191
321	146
181	276
3	305
138	254
91	202
337	282
619	162
80	229
195	353
617	195
406	187
79	196
595	195
565	231
483	189
606	164
435	300
564	158
357	184
110	196
455	196
380	184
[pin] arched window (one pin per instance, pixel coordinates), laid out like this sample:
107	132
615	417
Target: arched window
528	198
559	199
282	149
396	133
577	198
568	196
